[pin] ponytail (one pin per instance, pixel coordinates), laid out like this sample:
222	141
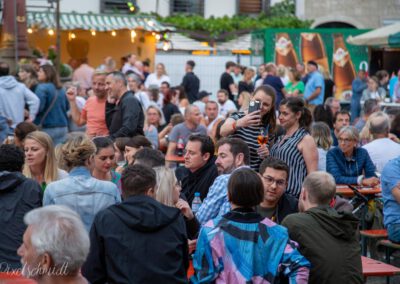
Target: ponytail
296	105
305	119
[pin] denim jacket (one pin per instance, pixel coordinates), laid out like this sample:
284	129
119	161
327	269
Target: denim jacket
82	193
346	171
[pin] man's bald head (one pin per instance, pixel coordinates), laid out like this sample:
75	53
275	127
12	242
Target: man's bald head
379	124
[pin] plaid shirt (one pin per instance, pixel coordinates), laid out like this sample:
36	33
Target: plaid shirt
216	203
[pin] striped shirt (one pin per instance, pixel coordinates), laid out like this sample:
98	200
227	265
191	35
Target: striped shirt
249	135
286	150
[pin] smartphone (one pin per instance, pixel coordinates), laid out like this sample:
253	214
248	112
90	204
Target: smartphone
254	106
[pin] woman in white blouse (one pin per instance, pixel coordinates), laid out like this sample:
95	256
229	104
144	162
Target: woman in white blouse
322	136
157	77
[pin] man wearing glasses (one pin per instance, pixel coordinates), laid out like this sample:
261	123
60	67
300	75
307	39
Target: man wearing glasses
276	204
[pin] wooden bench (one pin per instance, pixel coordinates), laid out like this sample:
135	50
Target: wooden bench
372	267
390	247
371	234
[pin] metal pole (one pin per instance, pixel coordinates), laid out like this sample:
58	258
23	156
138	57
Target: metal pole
15	34
58	37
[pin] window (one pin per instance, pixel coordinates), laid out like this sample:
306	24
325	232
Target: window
187	7
115	6
251	6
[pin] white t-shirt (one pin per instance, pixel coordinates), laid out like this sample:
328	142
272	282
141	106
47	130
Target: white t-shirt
153	80
322	159
382	151
227	107
201	106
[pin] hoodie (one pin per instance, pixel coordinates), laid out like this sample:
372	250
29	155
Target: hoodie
13	96
18	195
137	241
328	239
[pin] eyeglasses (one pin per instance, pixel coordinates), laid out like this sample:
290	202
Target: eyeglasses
270	181
345	140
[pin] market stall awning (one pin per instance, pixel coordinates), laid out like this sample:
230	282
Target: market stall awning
384	36
183	43
238	45
91	21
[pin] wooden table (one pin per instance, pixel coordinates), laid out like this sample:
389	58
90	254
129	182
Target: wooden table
372	267
175	158
14	278
345	191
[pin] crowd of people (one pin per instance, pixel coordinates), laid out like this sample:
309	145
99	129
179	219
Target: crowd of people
88	191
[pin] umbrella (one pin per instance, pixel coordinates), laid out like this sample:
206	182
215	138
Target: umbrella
387	36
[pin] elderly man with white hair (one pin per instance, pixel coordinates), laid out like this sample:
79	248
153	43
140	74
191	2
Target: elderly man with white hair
55	246
381	149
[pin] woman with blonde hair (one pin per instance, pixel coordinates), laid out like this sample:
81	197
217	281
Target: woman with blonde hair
167	192
244	100
40	160
246	84
323	139
295	87
157	77
28	75
80	191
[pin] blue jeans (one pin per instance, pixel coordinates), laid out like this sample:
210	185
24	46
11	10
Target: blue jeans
4	129
355	110
58	134
394	232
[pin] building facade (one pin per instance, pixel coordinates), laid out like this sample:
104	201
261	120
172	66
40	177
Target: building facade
361	14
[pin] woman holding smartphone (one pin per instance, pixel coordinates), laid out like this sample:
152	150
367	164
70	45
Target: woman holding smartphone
258	122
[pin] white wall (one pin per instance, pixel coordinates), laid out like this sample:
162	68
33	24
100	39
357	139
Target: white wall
219	8
66	6
149	6
208	68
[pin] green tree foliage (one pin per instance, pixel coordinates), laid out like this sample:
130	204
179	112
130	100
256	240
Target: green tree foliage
216	26
286	8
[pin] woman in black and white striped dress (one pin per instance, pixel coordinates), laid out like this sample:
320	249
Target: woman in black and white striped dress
247	126
297	148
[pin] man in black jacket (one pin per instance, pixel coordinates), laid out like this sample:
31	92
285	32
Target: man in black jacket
190	82
276	204
200	170
18	195
124	113
139	240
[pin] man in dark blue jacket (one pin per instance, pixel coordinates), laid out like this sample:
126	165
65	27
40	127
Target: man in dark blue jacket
18	196
358	86
139	240
124	113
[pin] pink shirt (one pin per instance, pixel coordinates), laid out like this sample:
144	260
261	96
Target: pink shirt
94	112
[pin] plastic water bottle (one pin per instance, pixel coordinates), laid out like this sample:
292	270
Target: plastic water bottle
196	202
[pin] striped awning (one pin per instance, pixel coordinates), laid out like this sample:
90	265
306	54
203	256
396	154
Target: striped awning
97	22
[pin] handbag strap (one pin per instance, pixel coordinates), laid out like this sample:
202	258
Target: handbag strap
53	102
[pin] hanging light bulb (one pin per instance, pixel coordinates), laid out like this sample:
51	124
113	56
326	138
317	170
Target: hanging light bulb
114	33
73	35
166	45
133	35
29	30
158	37
51	32
93	32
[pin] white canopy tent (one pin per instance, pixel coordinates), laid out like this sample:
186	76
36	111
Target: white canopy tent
384	36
